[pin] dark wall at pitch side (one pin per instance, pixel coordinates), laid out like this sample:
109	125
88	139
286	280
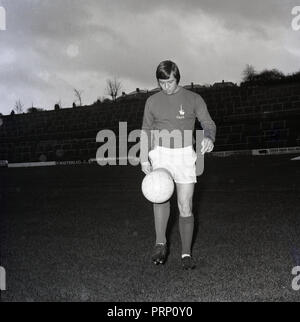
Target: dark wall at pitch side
246	118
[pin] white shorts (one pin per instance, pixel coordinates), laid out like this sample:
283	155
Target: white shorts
181	162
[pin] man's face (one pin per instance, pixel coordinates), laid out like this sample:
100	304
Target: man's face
169	86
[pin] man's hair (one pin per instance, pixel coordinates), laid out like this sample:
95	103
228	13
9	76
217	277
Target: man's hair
165	68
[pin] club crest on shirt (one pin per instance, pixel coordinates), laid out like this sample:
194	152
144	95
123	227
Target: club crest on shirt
181	113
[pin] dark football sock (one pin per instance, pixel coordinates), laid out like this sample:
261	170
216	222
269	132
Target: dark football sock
161	217
186	228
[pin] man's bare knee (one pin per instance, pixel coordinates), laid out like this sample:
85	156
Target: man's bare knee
185	210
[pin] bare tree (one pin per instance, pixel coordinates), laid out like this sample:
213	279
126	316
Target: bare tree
113	87
248	73
78	96
18	107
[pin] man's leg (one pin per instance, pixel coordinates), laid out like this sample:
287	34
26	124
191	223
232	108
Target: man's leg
161	217
186	219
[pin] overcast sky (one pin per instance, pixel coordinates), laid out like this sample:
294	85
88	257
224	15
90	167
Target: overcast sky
50	47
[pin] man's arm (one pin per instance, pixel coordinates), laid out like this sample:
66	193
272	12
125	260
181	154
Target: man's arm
203	116
145	142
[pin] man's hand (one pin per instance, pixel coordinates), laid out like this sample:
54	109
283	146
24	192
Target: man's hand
207	145
146	167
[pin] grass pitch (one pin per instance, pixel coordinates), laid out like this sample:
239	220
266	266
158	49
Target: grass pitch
85	233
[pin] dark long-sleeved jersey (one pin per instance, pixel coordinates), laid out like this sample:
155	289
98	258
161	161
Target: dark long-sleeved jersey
177	111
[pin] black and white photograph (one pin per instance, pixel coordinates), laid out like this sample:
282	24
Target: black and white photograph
149	153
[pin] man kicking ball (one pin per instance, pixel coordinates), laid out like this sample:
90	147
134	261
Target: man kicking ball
174	108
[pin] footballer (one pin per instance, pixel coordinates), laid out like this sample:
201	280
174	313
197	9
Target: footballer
174	108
